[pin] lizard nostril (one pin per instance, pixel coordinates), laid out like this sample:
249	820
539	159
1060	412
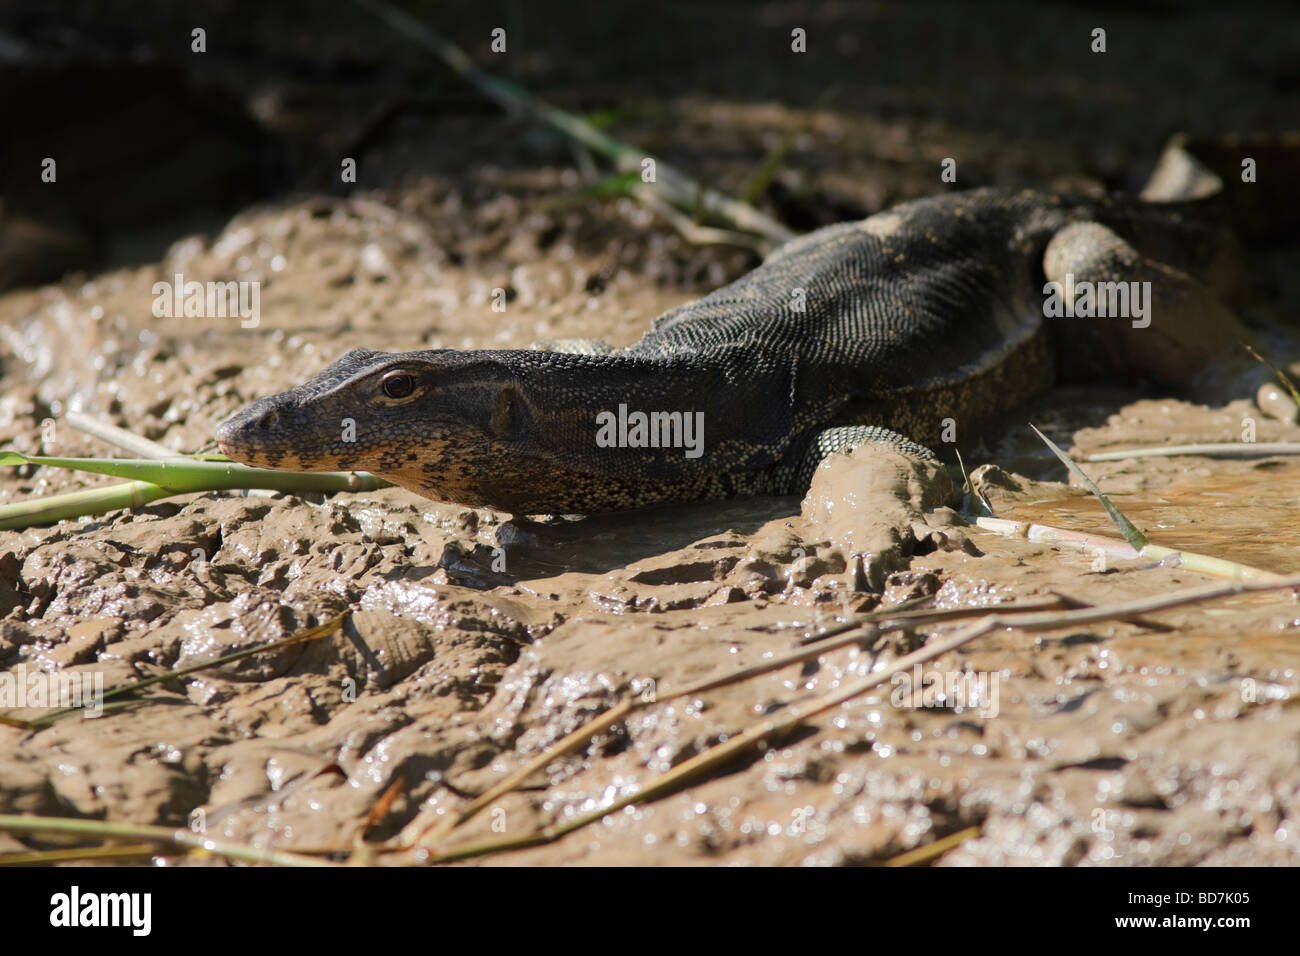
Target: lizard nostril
268	418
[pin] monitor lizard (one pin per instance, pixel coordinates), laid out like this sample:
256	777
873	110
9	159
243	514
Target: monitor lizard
883	330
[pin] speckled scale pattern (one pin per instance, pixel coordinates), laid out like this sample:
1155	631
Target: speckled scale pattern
927	314
906	298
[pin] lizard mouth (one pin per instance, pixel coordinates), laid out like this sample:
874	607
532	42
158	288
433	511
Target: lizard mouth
276	432
227	438
237	453
245	436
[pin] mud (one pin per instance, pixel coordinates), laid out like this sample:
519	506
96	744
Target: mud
476	640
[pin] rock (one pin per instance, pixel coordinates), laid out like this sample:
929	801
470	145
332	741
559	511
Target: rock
1276	402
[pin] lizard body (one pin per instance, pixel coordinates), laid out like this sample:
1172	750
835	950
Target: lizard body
926	314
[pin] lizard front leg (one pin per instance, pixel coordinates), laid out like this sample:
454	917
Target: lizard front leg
876	496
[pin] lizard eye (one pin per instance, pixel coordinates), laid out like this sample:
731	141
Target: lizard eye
398	384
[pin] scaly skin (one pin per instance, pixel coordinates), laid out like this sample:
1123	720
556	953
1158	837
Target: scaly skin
927	312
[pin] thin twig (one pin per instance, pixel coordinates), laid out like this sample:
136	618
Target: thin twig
123	851
107	829
802	711
938	848
1231	449
1127	528
1115	548
692	231
681	190
826	641
1282	377
118	437
301	637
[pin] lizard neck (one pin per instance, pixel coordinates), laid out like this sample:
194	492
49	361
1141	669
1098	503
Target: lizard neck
665	415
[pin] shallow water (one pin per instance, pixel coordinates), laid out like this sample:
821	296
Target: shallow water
1249	514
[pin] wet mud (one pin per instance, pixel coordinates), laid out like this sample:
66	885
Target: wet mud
478	639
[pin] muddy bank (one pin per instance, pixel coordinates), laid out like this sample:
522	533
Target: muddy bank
477	640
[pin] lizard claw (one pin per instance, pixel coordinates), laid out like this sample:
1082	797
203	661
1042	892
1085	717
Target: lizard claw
880	504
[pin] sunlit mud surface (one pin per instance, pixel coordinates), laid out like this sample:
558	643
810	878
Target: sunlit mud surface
477	640
1198	506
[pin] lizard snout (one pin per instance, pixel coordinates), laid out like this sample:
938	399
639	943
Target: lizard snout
247	429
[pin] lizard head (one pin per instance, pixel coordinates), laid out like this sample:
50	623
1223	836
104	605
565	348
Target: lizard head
441	423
